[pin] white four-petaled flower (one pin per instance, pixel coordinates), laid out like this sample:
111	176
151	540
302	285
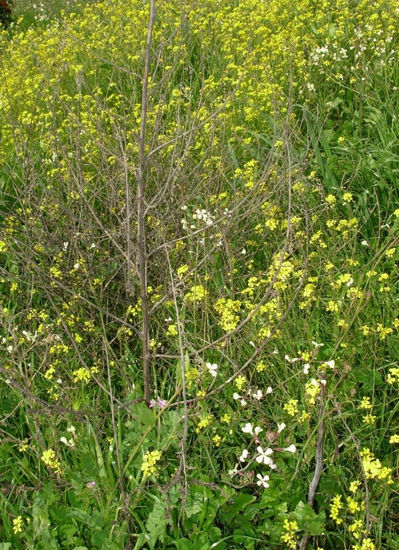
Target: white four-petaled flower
262	480
264	455
249	429
212	368
244	455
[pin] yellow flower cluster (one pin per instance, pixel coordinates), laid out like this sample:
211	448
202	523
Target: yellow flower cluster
81	375
335	509
289	534
50	460
373	468
228	311
366	544
197	293
312	390
291	407
172	330
204	423
17	524
148	466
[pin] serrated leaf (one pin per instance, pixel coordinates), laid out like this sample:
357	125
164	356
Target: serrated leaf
156	523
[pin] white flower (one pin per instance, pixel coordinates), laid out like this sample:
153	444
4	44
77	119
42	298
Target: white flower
238	396
69	443
71	429
293	360
257	395
262	480
290	449
316	345
249	429
243	456
280	427
306	368
330	364
264	455
269	390
212	368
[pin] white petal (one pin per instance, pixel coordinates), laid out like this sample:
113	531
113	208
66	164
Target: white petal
248	428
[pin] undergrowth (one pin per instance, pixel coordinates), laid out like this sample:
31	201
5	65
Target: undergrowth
199	302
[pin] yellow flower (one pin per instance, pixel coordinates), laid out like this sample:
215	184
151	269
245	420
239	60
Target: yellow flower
50	460
347	197
17	525
197	293
365	403
148	467
373	468
331	199
291	407
336	507
289	534
172	330
354	486
240	382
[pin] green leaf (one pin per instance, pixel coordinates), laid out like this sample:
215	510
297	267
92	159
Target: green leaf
156	523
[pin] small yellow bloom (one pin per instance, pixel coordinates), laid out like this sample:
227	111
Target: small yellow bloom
17	525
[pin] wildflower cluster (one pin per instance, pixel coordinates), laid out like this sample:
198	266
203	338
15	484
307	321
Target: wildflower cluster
149	464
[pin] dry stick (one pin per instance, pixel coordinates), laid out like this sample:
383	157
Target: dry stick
116	440
129	286
183	441
319	455
141	207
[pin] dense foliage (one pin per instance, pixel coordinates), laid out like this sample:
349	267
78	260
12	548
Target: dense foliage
271	227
